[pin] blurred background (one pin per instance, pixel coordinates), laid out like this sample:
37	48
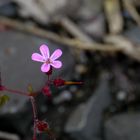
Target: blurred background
100	40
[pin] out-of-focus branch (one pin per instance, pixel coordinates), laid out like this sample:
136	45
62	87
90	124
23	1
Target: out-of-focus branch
114	17
114	43
57	38
74	30
129	5
128	47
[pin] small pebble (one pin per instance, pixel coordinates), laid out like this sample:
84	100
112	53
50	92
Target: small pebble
43	109
73	88
121	95
61	109
64	96
81	69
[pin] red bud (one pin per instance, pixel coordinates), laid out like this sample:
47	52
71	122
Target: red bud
46	91
59	82
42	125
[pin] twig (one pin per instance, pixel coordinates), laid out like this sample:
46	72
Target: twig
113	14
128	47
16	92
113	44
129	5
74	30
56	38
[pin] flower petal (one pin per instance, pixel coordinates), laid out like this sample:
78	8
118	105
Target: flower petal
56	54
45	51
56	64
45	67
37	57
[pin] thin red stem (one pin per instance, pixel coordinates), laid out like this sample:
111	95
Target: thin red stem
34	116
16	91
33	106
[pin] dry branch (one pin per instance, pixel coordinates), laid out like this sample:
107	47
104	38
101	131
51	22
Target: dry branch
74	30
113	43
127	46
113	14
56	38
129	5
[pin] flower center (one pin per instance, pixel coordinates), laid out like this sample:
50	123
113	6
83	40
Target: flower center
48	61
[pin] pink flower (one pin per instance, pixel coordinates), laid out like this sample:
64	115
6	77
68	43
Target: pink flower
46	59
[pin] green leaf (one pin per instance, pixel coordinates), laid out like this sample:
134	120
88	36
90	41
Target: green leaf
4	99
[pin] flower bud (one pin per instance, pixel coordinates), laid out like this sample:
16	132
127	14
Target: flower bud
59	82
42	126
46	91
